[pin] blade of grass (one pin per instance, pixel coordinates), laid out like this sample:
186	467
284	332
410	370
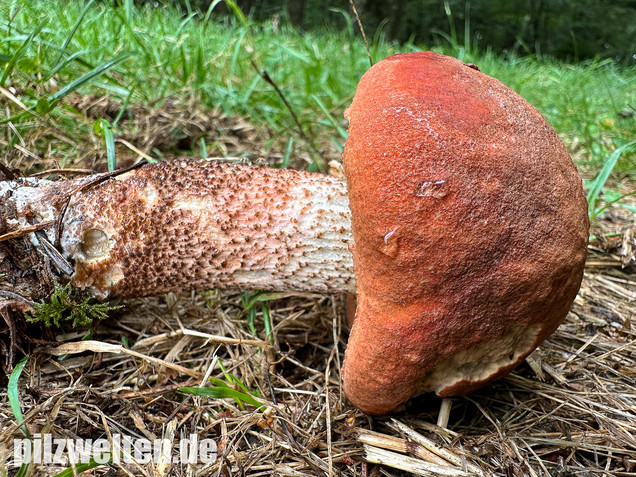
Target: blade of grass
338	145
206	18
203	148
131	30
267	321
16	118
186	67
231	379
239	383
200	72
14	401
54	98
248	305
69	37
233	64
332	120
599	181
613	201
251	300
218	382
16	56
105	129
113	87
125	105
23	470
62	64
236	10
101	69
288	151
80	468
225	373
251	88
222	393
14	395
129	8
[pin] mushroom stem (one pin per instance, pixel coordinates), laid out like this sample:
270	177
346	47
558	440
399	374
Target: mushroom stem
191	225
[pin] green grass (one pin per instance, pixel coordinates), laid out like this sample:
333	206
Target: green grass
144	55
224	389
14	400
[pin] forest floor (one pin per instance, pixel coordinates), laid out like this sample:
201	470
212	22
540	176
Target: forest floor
101	87
569	410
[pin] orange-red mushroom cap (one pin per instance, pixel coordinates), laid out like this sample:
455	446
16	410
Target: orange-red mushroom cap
470	230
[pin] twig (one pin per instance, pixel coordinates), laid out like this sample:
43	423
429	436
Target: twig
13	98
62	172
8	316
54	255
146	342
433	447
9	354
328	411
364	36
15	296
101	347
375	455
21	232
288	433
268	79
136	150
398	444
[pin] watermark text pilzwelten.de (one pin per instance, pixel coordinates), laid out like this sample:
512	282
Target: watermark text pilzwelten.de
45	449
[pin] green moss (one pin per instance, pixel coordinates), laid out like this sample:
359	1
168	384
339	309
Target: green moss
63	307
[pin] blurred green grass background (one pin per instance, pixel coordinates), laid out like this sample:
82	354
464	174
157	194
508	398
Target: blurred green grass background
143	55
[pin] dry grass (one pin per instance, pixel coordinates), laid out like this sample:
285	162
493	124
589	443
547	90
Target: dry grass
570	410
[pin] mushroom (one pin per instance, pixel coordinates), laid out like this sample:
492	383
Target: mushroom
468	220
470	229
